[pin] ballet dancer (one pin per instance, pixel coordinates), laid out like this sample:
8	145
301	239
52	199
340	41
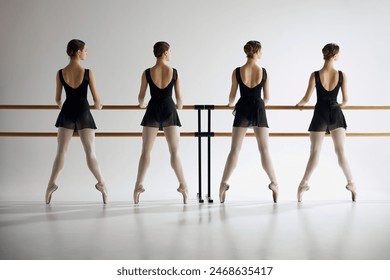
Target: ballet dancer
160	114
249	112
75	115
328	116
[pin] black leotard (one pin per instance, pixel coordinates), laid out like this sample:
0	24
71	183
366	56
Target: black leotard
75	113
161	111
327	112
250	109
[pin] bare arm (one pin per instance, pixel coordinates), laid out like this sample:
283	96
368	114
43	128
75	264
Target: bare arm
142	91
266	91
309	91
58	90
179	99
344	91
92	86
233	90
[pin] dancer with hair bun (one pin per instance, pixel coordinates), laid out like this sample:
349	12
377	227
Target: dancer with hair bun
75	115
328	116
249	112
160	114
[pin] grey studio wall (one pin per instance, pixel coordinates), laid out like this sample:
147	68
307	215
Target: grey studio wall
207	38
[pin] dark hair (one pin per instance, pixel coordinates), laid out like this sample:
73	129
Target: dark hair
251	48
159	48
74	46
330	50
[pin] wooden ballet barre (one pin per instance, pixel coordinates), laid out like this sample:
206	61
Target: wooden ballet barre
186	107
55	107
289	107
189	134
97	134
307	134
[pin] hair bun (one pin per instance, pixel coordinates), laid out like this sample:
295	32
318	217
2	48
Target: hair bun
74	46
159	48
330	50
251	48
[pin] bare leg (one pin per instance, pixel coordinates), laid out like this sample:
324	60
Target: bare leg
148	136
316	139
172	136
63	139
87	137
338	136
262	142
238	134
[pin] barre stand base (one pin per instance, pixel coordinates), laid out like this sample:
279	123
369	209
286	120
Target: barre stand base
200	199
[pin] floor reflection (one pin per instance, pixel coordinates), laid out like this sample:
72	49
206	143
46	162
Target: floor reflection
171	230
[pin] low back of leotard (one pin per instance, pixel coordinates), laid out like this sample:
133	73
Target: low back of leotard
327	112
250	109
161	111
76	101
75	113
250	92
160	93
323	95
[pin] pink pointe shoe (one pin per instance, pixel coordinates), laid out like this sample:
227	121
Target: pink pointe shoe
183	190
351	187
137	191
275	191
222	192
102	188
49	192
301	190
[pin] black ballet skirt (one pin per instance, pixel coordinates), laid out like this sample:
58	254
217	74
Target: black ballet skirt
75	113
249	110
161	111
327	114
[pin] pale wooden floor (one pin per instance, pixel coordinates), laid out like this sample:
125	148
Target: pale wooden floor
331	230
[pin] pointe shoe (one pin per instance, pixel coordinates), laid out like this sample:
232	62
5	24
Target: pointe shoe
102	188
301	190
275	191
222	192
137	191
184	192
351	187
49	192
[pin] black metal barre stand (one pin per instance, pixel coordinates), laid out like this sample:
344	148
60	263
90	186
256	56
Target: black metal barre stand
207	134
